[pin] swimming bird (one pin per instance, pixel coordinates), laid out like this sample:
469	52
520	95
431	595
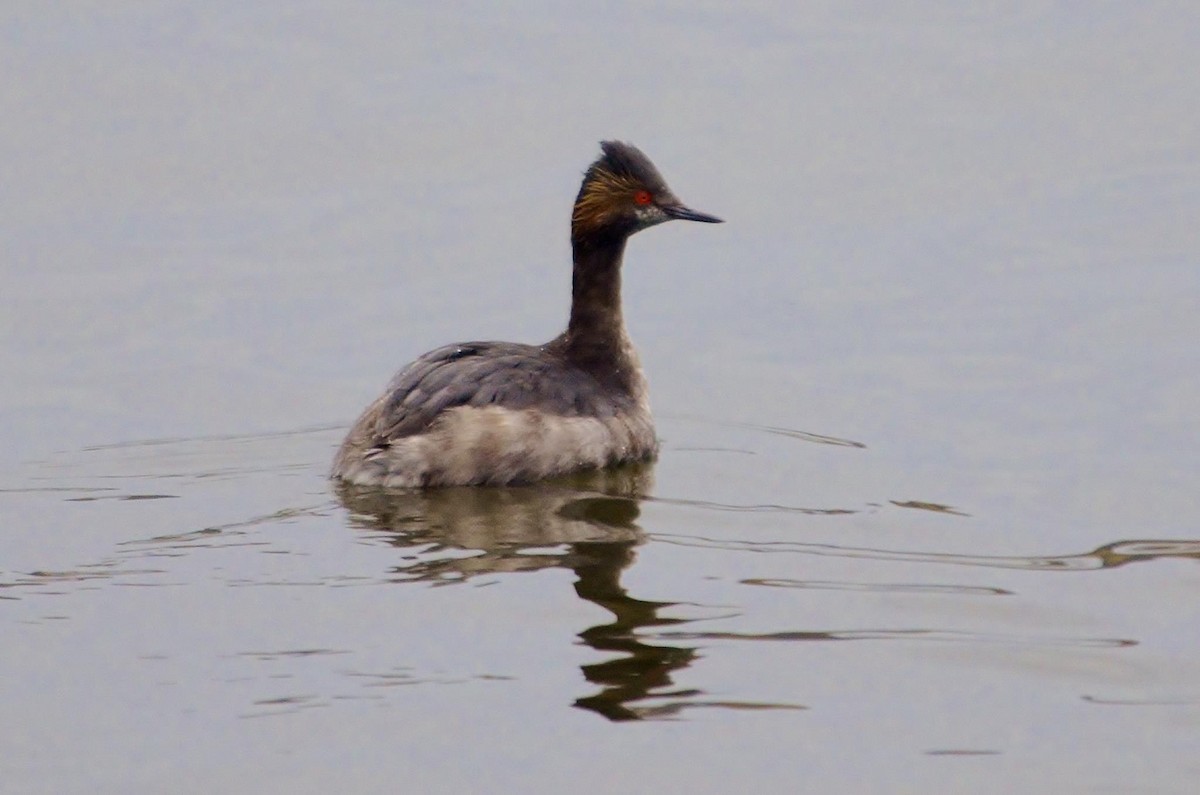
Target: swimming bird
496	413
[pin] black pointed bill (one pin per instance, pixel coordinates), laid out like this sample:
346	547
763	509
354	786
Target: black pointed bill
682	213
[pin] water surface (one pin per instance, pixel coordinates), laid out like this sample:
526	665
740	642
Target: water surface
926	516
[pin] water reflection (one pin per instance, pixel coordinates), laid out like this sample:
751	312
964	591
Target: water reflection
585	523
642	669
454	534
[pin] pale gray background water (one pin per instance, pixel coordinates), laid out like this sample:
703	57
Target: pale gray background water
961	235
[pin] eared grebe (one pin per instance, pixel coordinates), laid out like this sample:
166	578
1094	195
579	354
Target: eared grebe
502	412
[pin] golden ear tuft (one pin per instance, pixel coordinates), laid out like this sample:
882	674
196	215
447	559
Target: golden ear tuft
604	196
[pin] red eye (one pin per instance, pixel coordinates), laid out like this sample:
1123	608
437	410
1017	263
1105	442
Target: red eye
642	197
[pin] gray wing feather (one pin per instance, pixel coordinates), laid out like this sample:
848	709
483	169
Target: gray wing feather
485	374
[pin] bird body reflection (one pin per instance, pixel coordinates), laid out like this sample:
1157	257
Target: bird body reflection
592	514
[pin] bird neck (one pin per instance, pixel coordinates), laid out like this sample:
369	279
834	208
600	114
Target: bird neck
595	338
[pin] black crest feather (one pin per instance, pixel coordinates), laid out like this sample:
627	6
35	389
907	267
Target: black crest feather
626	160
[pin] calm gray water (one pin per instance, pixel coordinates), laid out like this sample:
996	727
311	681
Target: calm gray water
927	517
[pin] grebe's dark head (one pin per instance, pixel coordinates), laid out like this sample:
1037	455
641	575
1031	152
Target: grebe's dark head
623	193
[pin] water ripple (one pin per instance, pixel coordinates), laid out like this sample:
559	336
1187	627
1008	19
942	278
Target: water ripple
878	587
932	635
1109	556
774	430
754	508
